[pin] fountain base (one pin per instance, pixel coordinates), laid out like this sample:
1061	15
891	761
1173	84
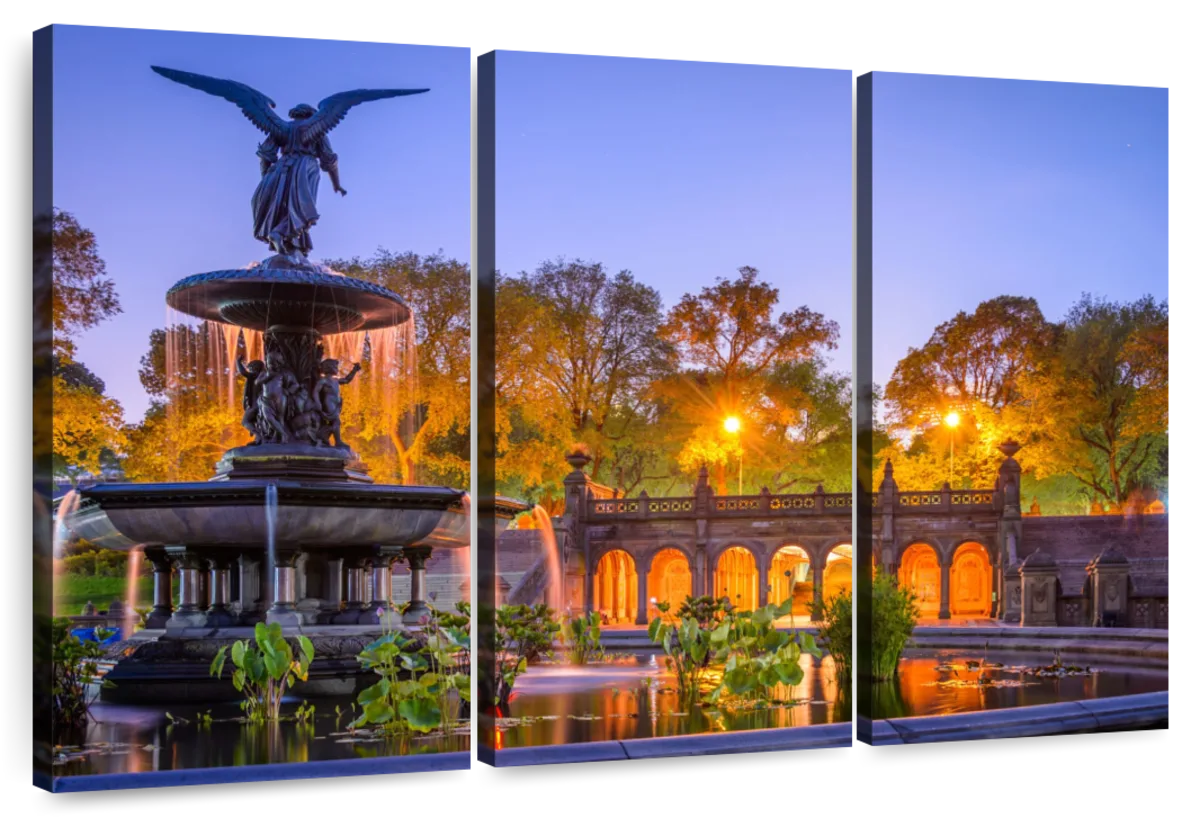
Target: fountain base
291	461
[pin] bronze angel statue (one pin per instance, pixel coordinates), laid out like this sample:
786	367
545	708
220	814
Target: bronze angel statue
291	157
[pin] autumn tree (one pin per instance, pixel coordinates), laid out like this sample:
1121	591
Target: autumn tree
83	294
743	359
1110	399
86	424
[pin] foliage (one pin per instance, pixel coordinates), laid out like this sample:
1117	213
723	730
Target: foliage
759	656
83	295
893	616
835	634
73	591
522	633
75	666
581	635
265	668
418	683
87	427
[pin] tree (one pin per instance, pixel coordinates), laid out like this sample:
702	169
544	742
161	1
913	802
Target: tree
974	359
86	428
1110	395
83	294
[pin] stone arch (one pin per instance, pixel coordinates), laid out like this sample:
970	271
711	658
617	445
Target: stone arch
790	574
838	572
736	570
615	586
920	570
971	581
669	570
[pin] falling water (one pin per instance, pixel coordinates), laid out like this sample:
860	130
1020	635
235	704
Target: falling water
554	565
272	510
460	558
66	507
133	571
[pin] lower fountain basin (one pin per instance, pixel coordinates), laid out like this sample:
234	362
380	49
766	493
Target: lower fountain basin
233	513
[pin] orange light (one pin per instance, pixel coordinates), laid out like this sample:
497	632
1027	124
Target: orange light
952	419
732	425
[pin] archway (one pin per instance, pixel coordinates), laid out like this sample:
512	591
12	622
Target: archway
736	577
921	571
839	571
971	581
790	575
670	579
616	596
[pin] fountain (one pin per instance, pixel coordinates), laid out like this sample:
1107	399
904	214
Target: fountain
291	528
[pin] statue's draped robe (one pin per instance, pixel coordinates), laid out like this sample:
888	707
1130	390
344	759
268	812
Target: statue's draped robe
285	202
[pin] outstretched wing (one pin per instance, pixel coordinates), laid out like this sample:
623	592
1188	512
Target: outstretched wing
254	104
332	110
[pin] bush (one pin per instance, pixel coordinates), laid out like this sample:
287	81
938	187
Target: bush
893	616
75	666
523	633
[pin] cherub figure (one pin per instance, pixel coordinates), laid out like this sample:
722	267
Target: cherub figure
305	417
250	371
276	385
328	395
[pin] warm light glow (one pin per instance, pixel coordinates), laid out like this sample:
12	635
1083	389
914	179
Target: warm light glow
732	425
952	419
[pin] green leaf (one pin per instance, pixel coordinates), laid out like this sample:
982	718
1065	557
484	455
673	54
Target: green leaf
306	647
421	714
218	663
789	673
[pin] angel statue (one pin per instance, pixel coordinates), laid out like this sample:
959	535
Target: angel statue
291	157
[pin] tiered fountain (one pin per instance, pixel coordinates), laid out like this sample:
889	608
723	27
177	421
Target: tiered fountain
291	528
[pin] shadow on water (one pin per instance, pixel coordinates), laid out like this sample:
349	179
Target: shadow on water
130	739
634	697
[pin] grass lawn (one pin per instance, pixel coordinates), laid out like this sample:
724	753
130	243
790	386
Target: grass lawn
73	591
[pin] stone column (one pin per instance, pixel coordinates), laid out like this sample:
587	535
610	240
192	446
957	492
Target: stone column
764	582
589	591
944	601
700	574
161	612
188	614
250	594
643	591
333	589
818	589
283	606
1011	599
356	595
219	614
417	609
380	573
1039	591
1109	573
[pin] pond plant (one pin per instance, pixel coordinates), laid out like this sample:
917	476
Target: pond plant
522	634
894	614
835	634
581	636
265	668
75	666
717	653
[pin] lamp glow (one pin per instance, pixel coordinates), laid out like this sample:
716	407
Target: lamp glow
952	419
732	425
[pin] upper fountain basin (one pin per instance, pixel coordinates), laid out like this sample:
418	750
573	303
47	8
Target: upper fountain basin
233	513
268	296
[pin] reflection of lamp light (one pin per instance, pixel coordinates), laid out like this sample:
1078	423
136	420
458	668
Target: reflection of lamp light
733	425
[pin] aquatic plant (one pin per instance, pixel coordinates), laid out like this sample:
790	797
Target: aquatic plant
835	633
893	616
265	668
759	656
581	636
74	669
522	633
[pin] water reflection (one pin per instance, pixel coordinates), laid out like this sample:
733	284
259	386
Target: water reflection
634	697
130	739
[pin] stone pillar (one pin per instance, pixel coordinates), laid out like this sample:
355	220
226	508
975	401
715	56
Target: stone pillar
701	575
764	582
1011	594
355	593
380	583
161	612
333	589
188	613
818	590
944	596
417	609
1109	575
283	605
219	597
250	589
1039	591
589	591
643	589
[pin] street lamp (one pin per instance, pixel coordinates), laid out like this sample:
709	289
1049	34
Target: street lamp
733	425
952	419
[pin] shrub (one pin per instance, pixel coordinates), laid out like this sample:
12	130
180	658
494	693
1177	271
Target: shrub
893	616
522	633
74	669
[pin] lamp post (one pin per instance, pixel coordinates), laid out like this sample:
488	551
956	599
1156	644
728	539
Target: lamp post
733	425
952	419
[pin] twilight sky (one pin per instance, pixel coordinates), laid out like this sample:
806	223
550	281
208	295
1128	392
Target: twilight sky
1002	187
163	174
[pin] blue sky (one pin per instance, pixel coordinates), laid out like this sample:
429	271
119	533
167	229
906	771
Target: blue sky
680	172
163	174
1002	187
